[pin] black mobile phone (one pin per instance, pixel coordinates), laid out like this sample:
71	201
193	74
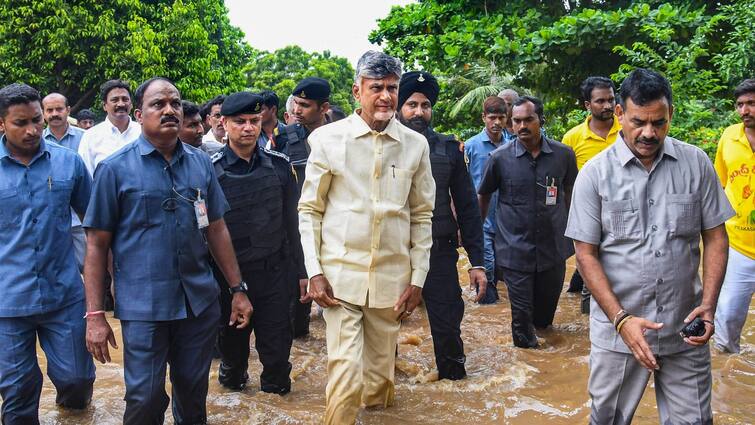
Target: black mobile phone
693	328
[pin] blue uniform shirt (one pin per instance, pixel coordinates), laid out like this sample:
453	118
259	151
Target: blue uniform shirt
477	150
38	271
70	140
160	256
263	139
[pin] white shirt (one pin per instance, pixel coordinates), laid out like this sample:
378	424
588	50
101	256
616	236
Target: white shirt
104	139
210	137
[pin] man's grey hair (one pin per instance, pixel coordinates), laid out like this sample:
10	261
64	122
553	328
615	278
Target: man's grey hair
377	65
290	104
508	92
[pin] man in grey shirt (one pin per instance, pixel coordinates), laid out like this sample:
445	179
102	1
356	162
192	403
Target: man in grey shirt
638	211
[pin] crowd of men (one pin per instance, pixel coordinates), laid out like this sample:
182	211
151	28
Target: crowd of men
205	224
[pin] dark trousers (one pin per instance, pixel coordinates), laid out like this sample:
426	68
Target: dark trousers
445	309
576	283
534	297
299	311
269	295
491	295
148	347
69	365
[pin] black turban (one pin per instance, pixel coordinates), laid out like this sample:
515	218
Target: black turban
417	81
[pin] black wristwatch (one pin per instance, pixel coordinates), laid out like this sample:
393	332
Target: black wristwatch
241	287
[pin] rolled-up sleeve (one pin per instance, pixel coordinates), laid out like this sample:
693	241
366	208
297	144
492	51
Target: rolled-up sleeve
584	223
421	204
312	205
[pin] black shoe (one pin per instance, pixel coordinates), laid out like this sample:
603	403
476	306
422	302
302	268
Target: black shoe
231	378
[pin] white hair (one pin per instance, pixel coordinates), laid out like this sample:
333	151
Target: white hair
290	104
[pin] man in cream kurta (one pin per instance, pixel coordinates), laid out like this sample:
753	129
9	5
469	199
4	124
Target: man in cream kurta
365	221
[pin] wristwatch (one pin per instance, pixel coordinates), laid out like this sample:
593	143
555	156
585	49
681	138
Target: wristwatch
241	287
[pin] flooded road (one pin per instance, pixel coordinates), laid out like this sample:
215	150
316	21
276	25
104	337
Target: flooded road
505	385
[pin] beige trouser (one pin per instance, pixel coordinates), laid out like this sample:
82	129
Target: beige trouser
361	358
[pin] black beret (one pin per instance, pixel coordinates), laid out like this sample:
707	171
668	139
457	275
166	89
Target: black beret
242	102
417	81
312	88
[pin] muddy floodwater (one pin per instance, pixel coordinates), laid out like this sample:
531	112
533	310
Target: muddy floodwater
506	385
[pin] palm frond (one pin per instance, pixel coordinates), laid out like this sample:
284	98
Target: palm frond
475	97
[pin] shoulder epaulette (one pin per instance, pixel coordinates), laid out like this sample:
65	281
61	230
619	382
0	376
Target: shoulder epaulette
275	153
217	155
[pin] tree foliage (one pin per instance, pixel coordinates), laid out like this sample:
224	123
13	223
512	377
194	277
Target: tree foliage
282	69
548	47
73	46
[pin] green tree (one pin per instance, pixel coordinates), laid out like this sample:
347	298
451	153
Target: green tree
282	69
73	46
550	46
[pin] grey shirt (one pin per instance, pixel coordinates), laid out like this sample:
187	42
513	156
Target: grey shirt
530	234
647	226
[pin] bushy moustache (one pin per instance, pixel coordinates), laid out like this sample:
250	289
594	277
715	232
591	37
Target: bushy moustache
169	118
648	140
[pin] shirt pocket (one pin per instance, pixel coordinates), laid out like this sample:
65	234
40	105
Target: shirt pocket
397	184
144	209
684	214
622	219
60	195
516	192
10	216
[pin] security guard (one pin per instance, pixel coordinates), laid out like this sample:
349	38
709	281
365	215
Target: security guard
311	103
263	223
42	295
417	93
157	203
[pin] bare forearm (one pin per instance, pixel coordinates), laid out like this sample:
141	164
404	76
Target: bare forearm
596	280
95	264
221	248
715	257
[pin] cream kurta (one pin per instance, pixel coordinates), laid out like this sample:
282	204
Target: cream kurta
365	210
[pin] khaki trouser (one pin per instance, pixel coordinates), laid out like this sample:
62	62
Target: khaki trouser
361	358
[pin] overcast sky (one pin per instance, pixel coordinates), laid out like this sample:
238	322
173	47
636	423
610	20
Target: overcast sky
341	26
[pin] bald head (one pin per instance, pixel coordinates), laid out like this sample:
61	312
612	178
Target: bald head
55	109
53	97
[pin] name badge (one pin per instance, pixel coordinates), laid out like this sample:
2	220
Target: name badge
551	193
200	210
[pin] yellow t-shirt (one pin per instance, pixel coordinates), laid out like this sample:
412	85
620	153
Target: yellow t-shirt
735	165
586	144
